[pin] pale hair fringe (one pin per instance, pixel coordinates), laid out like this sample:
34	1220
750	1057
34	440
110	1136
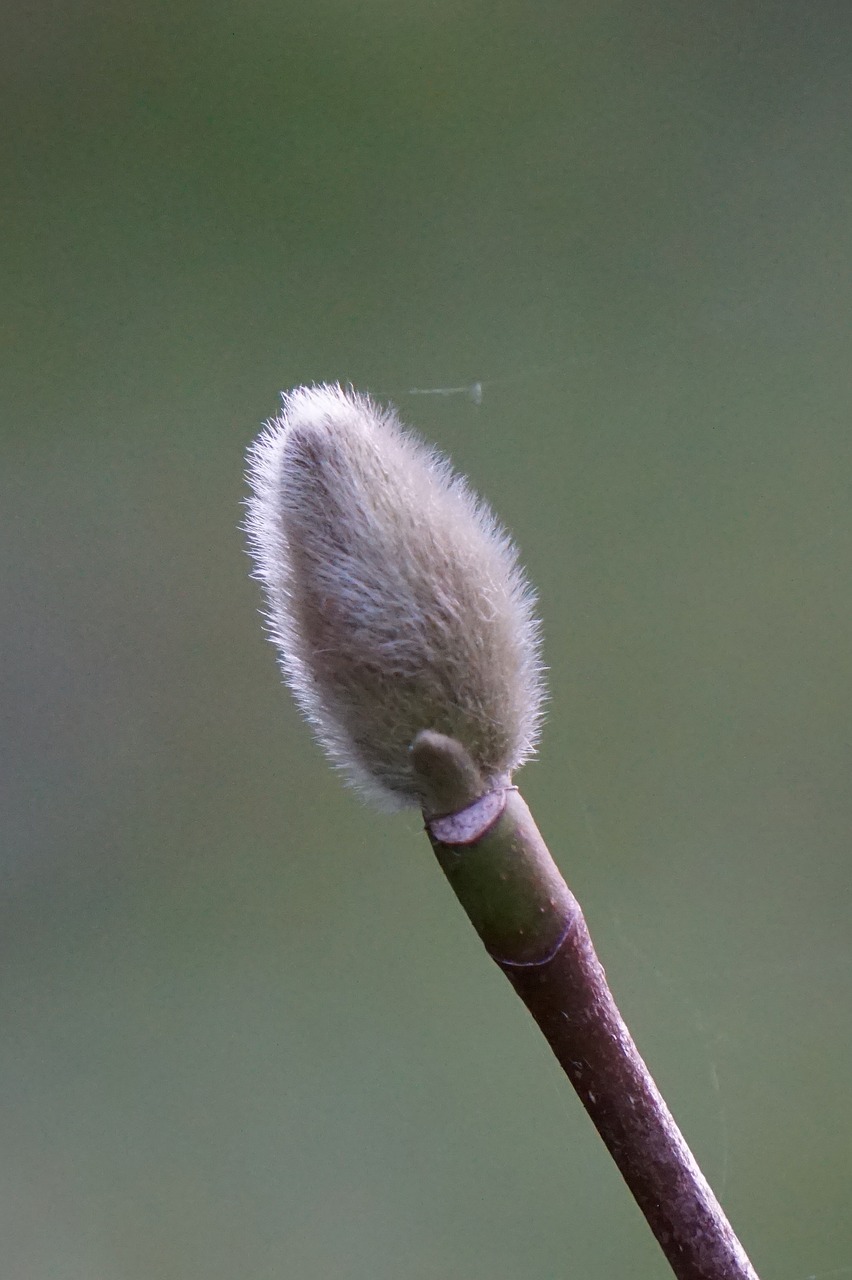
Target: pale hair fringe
394	597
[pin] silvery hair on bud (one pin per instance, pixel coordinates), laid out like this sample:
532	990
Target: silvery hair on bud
394	597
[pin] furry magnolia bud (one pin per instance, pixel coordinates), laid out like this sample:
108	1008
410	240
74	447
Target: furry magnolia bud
394	597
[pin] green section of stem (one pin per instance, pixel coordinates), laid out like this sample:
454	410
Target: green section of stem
510	887
505	878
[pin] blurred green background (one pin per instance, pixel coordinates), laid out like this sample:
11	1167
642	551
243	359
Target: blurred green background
245	1030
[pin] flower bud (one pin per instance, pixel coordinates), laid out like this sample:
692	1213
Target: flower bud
394	598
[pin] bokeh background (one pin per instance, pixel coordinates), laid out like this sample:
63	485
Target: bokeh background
245	1030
